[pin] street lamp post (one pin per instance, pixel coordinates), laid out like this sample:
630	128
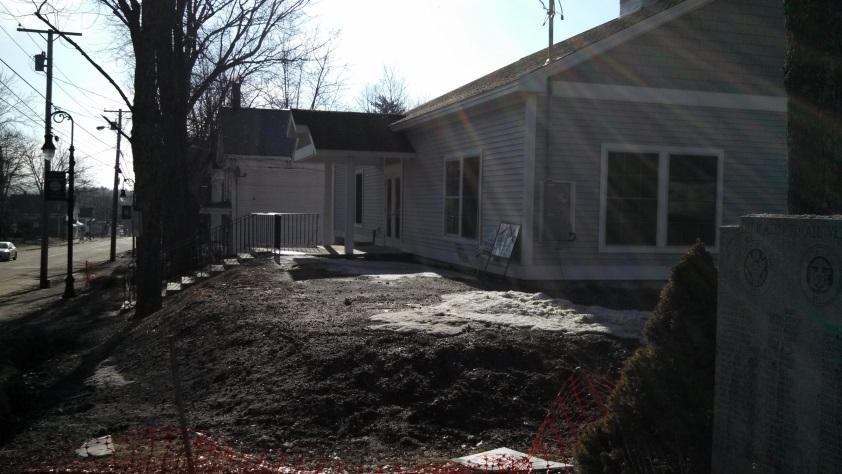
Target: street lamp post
122	197
69	289
48	151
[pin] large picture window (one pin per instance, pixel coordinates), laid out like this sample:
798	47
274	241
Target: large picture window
461	196
660	199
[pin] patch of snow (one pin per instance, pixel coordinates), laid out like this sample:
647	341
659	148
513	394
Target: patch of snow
382	270
290	253
460	311
97	447
509	460
107	376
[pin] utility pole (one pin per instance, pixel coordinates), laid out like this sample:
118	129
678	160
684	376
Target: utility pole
48	149
119	128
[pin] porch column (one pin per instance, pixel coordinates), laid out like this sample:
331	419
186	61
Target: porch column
327	214
350	197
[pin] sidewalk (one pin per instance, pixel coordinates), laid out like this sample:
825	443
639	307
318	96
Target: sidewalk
20	304
55	242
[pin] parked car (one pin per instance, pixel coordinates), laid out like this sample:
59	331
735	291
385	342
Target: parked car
8	251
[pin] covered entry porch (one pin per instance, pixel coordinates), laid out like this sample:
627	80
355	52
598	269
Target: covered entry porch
363	175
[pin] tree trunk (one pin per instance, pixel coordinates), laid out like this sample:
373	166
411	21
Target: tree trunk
180	218
813	82
146	153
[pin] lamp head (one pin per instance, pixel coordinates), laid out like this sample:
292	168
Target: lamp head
48	151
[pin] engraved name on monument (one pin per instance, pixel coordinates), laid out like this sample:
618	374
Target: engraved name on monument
778	396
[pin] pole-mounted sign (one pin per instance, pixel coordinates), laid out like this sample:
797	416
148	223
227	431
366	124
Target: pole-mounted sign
55	186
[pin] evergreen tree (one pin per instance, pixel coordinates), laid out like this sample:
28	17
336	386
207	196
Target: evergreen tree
660	416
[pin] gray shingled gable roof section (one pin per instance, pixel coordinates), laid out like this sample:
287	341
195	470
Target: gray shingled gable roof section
538	60
353	131
261	132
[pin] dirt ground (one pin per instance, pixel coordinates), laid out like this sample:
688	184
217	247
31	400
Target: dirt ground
281	355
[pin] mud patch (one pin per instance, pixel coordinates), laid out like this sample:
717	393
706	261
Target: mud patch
293	365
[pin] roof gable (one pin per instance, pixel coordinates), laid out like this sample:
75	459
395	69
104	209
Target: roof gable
537	62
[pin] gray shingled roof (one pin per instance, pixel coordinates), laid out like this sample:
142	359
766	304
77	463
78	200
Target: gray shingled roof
256	132
538	60
354	131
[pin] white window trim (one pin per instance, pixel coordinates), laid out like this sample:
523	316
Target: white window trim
572	207
359	172
460	157
663	153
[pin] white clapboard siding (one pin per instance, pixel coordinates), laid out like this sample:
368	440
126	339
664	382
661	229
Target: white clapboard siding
755	173
731	46
498	133
279	189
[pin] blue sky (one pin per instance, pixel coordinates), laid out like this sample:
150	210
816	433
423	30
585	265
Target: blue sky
435	45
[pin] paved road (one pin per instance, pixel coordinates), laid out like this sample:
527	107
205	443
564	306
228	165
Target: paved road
22	274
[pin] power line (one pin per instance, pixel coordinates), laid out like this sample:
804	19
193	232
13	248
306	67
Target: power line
89	115
56	132
37	122
13	38
22	78
17	96
82	89
66	79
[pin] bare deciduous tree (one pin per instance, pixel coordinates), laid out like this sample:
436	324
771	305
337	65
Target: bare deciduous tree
14	149
387	96
181	49
309	79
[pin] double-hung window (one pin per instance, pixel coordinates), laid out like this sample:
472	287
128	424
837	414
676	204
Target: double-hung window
461	196
660	199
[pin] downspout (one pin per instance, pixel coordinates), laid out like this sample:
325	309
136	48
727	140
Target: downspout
547	117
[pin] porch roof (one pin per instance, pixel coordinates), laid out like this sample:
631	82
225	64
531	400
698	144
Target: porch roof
257	132
342	136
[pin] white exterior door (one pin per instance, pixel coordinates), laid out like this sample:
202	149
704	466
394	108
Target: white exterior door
394	204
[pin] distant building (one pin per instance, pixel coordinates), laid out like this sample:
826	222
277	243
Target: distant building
24	217
253	170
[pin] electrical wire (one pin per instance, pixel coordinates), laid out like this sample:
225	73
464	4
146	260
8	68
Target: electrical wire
82	89
37	122
21	101
22	78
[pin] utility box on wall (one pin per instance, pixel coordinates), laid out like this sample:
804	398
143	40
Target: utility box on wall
558	208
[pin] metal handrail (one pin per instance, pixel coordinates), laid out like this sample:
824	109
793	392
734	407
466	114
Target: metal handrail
266	231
